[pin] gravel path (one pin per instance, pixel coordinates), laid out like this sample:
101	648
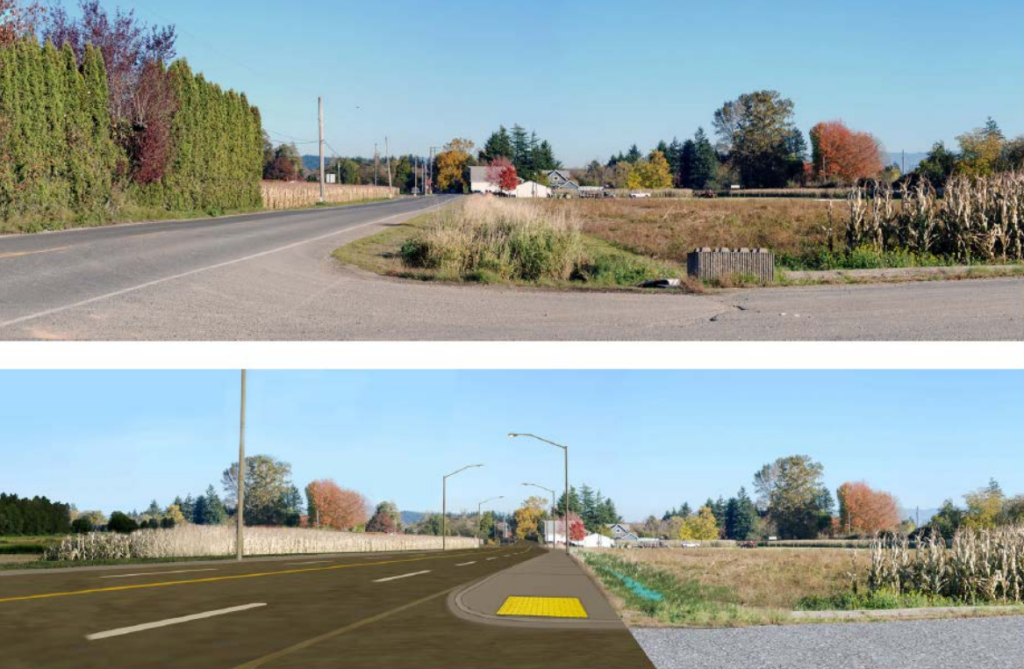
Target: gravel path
994	643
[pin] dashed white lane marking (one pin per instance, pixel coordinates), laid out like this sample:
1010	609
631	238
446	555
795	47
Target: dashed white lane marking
170	621
466	564
287	564
493	558
200	270
395	578
158	573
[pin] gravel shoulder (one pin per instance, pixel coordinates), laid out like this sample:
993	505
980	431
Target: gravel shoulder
996	643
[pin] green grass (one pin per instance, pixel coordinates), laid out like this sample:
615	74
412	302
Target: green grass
875	600
31	545
821	259
675	601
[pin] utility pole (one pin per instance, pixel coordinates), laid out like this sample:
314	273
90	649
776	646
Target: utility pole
323	177
240	513
387	152
376	162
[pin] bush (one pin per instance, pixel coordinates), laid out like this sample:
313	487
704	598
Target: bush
121	523
81	525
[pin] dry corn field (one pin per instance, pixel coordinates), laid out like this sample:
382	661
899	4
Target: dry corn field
982	566
278	195
204	541
976	219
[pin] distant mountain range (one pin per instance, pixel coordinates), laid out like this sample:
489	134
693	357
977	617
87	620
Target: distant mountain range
911	514
913	160
412	517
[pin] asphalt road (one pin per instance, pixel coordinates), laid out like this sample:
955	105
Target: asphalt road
994	643
354	612
271	278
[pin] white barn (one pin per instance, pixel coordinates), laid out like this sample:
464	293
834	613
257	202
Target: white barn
531	189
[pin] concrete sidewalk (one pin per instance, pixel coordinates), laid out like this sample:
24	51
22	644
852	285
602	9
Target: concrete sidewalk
553	575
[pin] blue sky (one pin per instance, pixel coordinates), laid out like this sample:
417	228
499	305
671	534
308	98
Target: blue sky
594	77
650	440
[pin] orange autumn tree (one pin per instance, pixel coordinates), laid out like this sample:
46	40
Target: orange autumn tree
843	155
865	511
333	507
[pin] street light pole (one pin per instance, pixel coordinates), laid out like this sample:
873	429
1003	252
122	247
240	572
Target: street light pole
240	513
565	449
479	509
444	504
554	510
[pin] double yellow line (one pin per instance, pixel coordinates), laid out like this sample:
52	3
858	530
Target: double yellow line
235	577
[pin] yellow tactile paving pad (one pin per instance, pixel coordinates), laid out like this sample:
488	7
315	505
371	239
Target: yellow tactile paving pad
543	607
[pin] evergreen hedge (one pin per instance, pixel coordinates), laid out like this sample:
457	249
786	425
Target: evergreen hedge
57	158
217	156
60	165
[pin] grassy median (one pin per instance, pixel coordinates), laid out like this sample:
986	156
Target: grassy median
505	242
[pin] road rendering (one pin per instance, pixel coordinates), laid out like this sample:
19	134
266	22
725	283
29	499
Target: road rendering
351	612
270	277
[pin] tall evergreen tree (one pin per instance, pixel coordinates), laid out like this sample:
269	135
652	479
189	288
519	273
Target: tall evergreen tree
705	162
498	145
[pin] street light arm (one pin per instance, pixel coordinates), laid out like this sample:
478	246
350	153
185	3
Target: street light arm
515	435
462	470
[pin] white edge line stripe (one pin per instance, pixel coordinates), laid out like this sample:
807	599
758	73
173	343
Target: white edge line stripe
159	573
171	621
199	270
465	564
395	578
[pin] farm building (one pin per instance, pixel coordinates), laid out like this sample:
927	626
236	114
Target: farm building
480	182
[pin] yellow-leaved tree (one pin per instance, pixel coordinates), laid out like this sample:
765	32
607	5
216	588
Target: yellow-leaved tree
528	517
653	173
702	527
451	165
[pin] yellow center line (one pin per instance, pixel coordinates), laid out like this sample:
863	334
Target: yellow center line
4	256
214	579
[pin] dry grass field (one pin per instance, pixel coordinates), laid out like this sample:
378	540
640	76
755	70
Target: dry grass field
771	578
668	229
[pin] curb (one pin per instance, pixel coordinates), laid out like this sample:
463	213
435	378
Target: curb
458	607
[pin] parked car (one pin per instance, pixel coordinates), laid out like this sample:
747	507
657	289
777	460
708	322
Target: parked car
639	196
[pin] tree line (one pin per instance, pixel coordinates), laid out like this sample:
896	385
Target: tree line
758	145
21	516
793	503
100	121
